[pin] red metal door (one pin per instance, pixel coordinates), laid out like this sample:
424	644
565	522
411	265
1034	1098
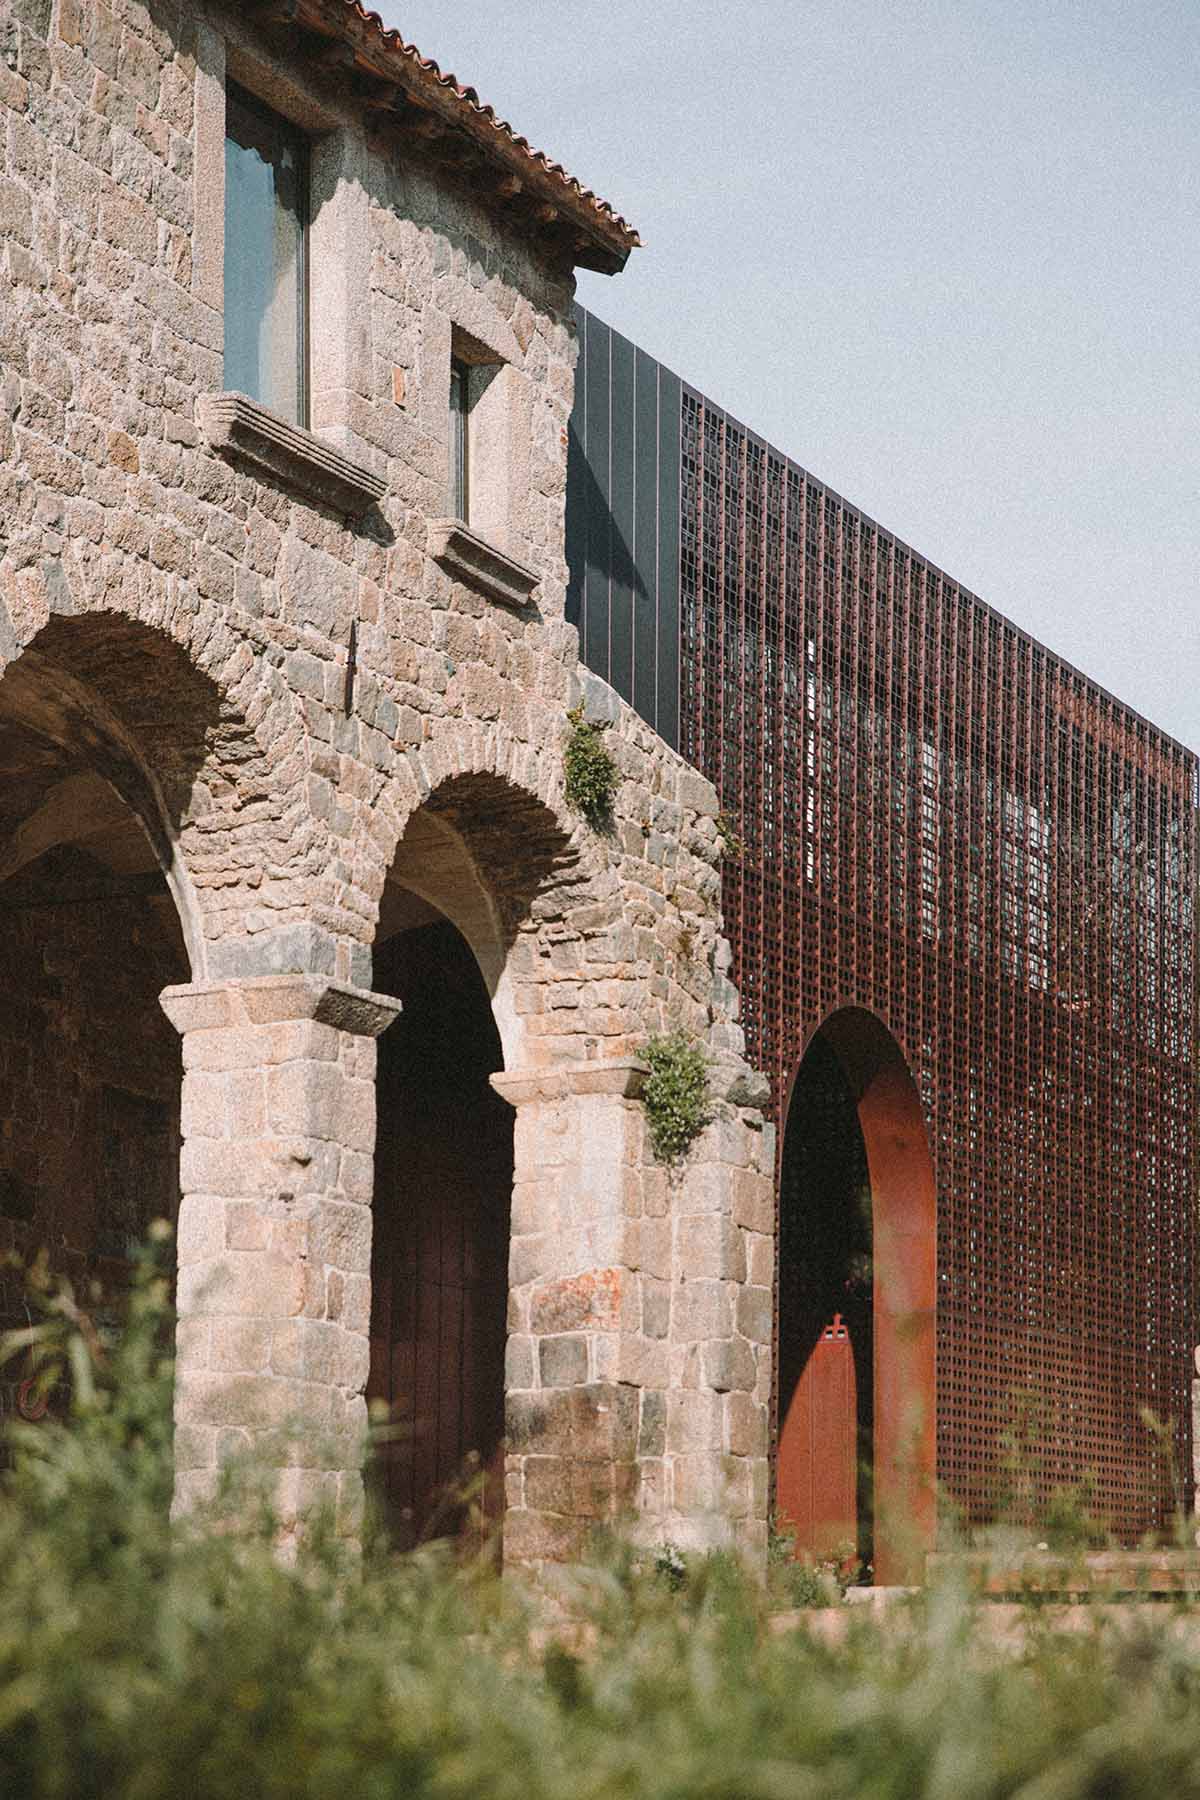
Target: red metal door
817	1474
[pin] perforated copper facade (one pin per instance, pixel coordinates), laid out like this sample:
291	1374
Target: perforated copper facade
947	825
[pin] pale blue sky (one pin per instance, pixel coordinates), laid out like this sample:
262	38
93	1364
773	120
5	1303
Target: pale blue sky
944	255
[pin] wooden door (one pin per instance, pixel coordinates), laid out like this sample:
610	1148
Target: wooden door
439	1261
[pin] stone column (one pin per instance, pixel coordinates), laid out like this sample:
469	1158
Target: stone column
274	1242
722	1299
640	1305
586	1358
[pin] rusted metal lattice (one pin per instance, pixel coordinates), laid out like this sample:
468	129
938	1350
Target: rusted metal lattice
947	825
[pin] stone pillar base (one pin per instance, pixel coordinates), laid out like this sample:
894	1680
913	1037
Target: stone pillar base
278	1123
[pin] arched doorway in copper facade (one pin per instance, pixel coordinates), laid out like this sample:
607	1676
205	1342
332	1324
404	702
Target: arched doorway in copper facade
855	1454
439	1263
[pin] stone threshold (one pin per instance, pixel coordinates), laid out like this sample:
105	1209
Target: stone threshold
236	426
1102	1572
479	564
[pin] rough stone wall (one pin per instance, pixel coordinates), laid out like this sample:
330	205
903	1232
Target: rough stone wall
280	793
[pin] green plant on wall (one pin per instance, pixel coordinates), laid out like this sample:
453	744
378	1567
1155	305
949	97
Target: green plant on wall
732	847
590	774
676	1095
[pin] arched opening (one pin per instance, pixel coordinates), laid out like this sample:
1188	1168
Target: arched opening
456	899
855	1455
439	1263
90	934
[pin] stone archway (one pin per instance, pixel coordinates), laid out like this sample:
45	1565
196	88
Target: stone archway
453	917
97	916
140	803
856	1450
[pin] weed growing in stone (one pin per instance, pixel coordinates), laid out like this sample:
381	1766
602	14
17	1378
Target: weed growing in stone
732	846
590	775
675	1096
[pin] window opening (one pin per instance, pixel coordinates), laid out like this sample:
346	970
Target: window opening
460	405
266	257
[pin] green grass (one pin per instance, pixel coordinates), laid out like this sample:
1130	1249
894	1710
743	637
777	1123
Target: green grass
141	1662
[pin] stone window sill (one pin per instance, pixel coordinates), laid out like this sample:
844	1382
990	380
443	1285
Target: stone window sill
236	426
479	564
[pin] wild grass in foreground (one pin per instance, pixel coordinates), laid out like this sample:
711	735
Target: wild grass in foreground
141	1662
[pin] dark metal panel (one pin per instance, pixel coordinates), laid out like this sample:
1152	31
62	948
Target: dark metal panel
577	487
598	446
668	557
620	535
645	539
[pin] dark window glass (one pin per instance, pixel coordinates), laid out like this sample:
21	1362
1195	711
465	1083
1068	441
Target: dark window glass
266	197
460	399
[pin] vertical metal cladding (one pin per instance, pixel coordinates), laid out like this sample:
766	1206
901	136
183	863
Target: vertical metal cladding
623	521
947	825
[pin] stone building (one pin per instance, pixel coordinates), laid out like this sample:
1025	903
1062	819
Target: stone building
296	918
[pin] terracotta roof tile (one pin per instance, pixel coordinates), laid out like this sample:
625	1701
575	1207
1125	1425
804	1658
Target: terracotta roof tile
585	207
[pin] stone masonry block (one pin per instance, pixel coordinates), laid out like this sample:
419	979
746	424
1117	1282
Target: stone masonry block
754	1200
737	1481
204	1107
195	1447
247	1227
754	1314
729	1364
355	1312
548	1483
519	1361
350	1507
319	1351
694	1421
564	1361
248	1285
701	1309
652	1426
728	1140
706	1188
532	1537
339	1234
304	1099
588	1302
746	1422
356	1176
254	1402
697	1484
241	1346
602	1490
208	1165
760	1259
192	1342
710	1245
656	1307
651	1248
200	1234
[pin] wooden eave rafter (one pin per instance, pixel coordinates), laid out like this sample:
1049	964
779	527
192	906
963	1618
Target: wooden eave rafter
418	111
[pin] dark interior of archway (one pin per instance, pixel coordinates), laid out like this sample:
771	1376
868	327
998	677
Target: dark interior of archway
825	1255
439	1266
90	1066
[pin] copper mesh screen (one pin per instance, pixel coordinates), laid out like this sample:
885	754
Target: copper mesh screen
945	824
